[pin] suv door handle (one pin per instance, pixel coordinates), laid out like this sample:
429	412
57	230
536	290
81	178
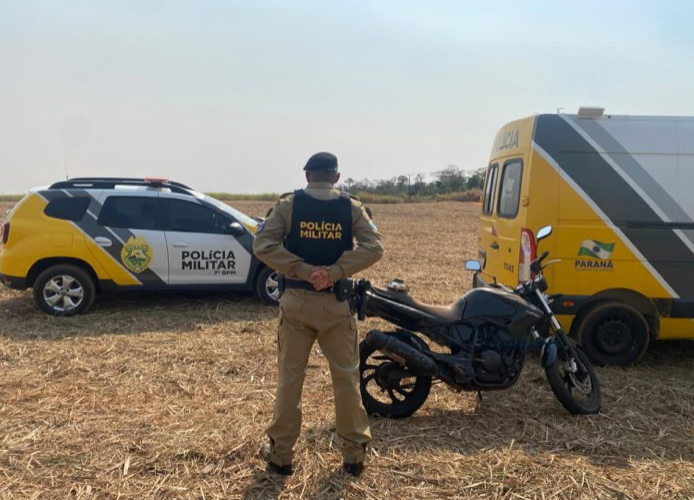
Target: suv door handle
103	241
180	244
494	245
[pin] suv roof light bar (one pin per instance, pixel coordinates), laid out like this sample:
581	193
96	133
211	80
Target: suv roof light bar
112	182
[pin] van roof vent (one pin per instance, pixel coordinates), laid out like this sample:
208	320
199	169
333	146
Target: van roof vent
590	112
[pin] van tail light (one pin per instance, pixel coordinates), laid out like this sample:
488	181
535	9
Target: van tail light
5	233
526	255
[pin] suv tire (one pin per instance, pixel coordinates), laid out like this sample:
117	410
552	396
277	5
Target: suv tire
266	286
612	333
64	290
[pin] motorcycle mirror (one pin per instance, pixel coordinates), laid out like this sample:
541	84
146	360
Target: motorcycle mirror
543	233
473	265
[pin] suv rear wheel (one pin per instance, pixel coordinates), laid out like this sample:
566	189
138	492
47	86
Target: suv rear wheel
612	333
266	286
64	290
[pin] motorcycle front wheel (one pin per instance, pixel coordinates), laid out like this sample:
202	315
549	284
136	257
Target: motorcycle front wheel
574	382
389	389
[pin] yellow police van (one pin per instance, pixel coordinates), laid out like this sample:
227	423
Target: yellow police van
77	237
617	190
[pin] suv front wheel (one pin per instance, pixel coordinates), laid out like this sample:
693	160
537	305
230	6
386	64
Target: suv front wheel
64	290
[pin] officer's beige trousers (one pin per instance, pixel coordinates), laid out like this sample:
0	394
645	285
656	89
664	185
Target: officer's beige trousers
305	317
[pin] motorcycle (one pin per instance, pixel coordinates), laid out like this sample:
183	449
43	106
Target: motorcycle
485	334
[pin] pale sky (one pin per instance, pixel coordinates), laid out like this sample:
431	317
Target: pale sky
235	96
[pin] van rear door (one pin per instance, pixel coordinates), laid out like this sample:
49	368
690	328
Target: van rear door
508	223
500	234
488	244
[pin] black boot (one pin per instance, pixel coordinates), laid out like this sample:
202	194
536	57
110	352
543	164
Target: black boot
282	470
353	470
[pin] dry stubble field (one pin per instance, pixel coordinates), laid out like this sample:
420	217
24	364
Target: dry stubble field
167	396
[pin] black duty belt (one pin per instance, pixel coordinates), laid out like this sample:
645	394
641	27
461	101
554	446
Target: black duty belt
287	283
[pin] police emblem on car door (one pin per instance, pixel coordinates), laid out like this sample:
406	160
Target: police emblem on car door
202	246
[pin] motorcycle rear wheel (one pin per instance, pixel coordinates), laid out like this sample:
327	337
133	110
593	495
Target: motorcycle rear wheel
387	388
578	391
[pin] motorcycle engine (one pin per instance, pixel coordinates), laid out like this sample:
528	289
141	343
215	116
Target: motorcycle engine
498	355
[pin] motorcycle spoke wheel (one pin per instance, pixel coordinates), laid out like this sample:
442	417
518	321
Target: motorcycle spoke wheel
575	383
389	389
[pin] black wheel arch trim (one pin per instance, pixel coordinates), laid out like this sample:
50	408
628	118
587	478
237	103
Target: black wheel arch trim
41	265
577	305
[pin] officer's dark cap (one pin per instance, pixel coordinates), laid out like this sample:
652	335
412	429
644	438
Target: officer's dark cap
321	161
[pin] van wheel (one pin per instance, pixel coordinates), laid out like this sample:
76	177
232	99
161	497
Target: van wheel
612	333
64	290
266	287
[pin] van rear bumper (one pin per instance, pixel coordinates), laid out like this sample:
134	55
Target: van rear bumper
13	282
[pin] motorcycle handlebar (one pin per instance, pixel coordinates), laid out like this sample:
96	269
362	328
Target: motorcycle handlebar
536	265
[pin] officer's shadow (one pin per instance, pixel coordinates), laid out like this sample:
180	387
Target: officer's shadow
331	485
264	486
268	486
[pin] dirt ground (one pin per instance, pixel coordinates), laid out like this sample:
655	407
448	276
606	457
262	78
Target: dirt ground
167	395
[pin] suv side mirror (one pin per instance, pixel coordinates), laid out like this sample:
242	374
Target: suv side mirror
236	229
543	233
473	265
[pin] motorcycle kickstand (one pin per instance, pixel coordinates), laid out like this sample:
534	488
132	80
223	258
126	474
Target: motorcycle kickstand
479	395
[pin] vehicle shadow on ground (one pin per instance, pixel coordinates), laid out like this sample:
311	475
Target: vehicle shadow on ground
132	313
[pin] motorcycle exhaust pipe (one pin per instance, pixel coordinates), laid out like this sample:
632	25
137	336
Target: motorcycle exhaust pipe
413	357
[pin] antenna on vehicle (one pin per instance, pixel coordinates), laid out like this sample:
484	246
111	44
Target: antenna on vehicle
65	165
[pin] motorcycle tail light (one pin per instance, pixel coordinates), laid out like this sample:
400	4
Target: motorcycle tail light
526	255
5	232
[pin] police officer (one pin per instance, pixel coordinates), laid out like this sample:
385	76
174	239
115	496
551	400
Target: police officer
309	238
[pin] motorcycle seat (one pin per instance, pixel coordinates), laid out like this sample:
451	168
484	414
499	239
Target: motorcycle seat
445	314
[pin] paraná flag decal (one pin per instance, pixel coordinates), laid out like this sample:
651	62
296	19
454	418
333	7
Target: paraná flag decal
597	249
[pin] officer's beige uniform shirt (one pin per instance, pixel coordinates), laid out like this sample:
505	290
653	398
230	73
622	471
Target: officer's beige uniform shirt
306	317
269	244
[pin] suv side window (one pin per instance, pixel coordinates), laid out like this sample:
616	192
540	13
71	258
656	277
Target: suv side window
490	189
72	209
509	191
130	212
188	217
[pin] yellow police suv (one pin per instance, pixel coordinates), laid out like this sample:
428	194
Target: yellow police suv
85	235
617	191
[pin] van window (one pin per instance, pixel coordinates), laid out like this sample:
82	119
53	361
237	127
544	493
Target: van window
129	212
509	190
490	189
72	209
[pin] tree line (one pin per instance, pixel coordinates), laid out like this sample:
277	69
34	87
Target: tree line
449	180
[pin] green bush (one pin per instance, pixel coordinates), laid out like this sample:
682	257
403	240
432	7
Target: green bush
474	194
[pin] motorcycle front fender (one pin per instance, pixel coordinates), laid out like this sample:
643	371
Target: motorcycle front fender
548	355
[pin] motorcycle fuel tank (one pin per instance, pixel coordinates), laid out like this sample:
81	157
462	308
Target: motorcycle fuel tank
501	308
